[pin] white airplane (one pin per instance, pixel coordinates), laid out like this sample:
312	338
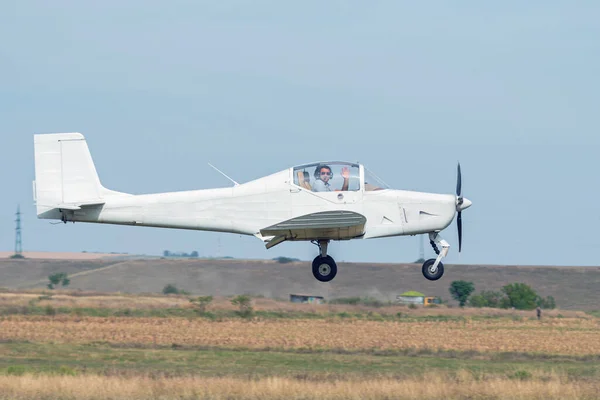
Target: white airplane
316	202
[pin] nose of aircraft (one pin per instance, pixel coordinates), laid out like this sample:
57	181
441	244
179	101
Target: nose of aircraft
466	203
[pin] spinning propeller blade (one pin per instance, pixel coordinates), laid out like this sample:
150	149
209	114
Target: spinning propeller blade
459	225
459	203
458	181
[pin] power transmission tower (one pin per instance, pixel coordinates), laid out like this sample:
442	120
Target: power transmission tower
18	242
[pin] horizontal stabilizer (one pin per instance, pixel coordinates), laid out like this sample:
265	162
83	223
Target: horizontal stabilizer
78	206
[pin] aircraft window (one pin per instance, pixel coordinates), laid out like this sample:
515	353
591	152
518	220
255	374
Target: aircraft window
328	177
372	182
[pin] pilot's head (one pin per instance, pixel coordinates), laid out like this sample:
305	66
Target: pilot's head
323	172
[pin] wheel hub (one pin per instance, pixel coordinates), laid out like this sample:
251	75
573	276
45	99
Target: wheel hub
324	269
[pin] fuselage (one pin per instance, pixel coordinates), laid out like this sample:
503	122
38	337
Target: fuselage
249	207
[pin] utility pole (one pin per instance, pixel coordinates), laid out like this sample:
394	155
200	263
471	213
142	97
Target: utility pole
219	246
18	242
421	248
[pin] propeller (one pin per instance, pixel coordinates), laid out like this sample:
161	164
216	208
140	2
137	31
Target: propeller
461	204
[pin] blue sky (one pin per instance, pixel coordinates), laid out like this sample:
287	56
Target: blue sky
161	88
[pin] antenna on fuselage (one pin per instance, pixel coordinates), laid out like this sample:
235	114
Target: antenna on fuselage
222	173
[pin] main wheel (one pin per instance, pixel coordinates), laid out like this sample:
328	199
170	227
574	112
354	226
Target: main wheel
428	271
324	268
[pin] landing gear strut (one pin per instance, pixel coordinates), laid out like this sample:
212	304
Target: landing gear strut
324	267
433	269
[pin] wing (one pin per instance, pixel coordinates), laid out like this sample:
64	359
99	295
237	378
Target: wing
327	225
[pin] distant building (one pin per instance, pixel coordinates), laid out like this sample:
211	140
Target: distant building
410	297
429	301
300	298
418	298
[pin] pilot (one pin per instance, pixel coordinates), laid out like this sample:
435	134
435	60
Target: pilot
304	179
323	175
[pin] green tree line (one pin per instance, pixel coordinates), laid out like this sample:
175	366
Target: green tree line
515	295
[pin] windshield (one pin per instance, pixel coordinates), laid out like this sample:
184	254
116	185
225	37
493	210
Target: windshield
328	176
372	182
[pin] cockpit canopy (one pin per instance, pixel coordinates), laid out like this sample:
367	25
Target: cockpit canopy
372	181
335	176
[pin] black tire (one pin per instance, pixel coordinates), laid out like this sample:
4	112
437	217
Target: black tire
324	268
432	276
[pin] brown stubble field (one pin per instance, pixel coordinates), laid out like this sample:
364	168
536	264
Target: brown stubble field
57	347
578	337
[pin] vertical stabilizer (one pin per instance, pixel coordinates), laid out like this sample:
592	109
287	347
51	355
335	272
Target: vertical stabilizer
65	174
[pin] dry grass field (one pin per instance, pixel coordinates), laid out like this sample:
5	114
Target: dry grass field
463	385
339	327
97	345
577	337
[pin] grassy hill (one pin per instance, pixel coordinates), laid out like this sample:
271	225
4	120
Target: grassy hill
572	287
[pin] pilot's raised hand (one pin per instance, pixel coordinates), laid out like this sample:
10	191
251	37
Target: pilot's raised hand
345	173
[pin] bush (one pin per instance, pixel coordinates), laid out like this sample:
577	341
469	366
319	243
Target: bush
519	296
372	302
346	300
486	298
66	371
16	370
172	289
366	301
548	303
285	260
521	375
461	290
201	303
477	300
244	302
58	278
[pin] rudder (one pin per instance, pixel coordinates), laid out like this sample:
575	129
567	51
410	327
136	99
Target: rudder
65	174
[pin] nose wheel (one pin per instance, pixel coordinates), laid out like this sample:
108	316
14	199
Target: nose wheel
433	269
432	272
324	267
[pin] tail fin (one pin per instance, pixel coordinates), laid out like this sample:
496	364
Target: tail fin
65	175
